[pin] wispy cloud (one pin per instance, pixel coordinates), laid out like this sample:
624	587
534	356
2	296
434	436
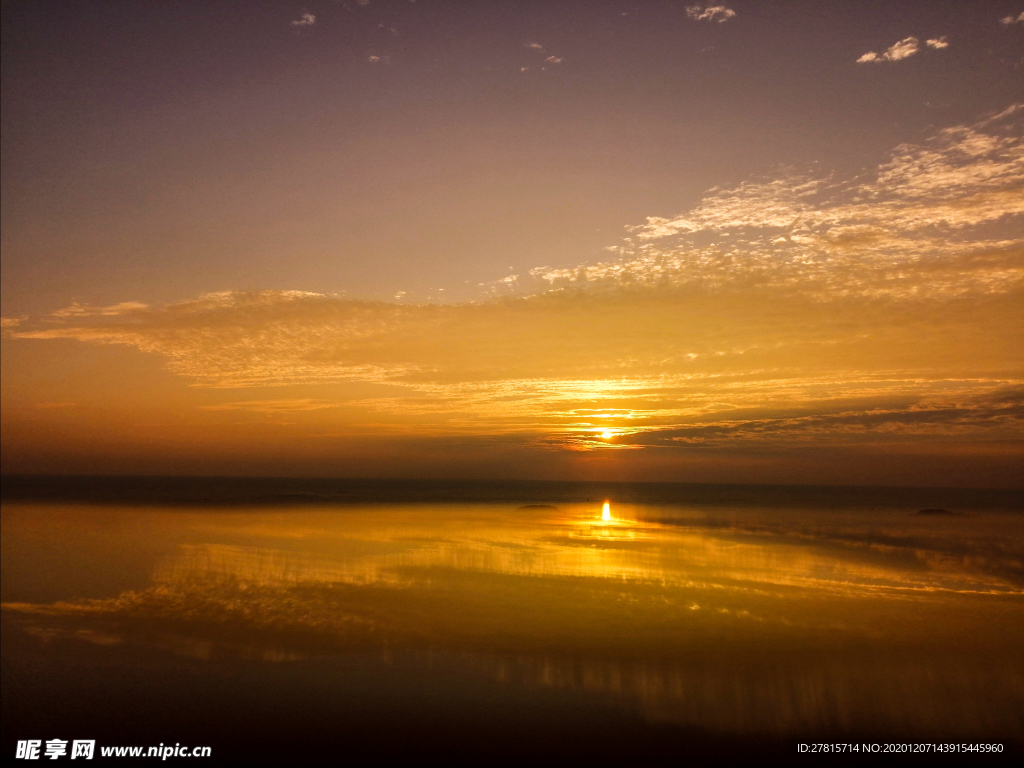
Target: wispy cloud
1008	20
305	20
717	13
937	42
550	58
804	307
896	52
1003	410
939	218
272	406
79	310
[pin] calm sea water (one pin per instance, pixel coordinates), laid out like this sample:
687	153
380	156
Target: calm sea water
518	621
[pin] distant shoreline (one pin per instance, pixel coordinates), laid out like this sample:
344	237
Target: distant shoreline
264	491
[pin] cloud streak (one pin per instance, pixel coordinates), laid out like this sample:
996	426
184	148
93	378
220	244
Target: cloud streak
939	218
717	13
802	309
904	49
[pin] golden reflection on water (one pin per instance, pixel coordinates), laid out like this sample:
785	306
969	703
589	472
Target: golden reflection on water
725	622
381	546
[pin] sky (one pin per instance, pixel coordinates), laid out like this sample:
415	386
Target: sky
758	242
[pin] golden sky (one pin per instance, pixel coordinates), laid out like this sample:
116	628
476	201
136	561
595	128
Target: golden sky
829	321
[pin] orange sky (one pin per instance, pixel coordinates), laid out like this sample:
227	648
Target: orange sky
853	317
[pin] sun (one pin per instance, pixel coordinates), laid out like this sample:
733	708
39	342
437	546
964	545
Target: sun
607	434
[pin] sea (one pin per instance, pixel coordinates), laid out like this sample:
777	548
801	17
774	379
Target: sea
290	621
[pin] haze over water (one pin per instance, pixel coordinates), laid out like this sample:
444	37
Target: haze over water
715	619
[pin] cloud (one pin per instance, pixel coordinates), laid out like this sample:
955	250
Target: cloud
78	310
808	308
938	42
305	20
12	322
272	406
551	59
659	367
1008	20
717	13
1000	410
939	218
896	52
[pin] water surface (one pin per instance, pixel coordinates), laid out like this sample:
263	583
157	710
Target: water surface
462	628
